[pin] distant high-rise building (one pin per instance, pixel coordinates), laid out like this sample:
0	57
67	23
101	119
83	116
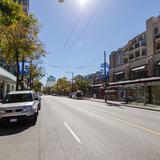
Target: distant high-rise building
51	81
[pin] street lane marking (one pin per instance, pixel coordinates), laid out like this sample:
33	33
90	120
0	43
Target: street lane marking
135	125
73	134
129	123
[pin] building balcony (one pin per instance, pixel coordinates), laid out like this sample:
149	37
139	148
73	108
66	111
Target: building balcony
157	37
143	43
157	51
137	45
130	48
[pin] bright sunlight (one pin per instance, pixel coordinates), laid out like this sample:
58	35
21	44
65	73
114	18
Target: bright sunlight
82	3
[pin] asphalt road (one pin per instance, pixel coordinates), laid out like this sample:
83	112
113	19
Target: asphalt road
84	130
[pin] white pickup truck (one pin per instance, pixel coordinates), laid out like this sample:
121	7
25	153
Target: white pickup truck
19	106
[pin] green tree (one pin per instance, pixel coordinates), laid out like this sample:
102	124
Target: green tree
62	87
37	85
36	74
81	83
18	35
47	90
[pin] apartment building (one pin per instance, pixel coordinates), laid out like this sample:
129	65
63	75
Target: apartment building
135	68
96	84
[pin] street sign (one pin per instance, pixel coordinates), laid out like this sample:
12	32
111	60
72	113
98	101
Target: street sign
26	70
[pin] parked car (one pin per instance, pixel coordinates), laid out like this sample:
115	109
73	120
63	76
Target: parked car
38	97
77	95
19	106
70	95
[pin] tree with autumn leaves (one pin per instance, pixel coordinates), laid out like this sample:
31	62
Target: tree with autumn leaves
19	36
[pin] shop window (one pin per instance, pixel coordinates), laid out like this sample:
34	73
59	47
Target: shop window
158	70
138	74
119	77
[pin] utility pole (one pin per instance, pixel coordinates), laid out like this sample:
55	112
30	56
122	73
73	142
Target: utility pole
105	74
145	95
105	66
30	75
72	79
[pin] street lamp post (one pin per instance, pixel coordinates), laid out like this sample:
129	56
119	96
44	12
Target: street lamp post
72	79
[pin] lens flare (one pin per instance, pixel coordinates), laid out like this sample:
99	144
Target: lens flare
82	3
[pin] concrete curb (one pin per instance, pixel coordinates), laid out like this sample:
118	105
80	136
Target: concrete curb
146	108
128	105
133	106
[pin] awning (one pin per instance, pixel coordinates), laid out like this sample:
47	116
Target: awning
119	73
97	85
110	91
102	87
143	80
6	76
138	68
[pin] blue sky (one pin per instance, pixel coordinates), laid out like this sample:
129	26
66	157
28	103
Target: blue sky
115	22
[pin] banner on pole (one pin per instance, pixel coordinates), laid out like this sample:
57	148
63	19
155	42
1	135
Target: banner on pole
26	70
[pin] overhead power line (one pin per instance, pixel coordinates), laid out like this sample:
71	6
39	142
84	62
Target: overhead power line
70	34
72	67
84	28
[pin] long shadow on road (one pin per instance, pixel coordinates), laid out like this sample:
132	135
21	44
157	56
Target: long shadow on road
11	129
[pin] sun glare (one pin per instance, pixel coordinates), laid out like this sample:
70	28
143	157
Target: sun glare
82	3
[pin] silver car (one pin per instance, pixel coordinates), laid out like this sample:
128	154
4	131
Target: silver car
19	106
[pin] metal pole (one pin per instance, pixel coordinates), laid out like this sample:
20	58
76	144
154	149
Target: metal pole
30	76
145	98
105	65
22	87
105	77
72	81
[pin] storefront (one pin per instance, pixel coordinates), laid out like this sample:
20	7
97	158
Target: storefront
98	91
111	94
146	90
7	82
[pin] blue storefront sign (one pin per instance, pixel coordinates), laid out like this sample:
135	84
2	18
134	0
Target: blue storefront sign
26	70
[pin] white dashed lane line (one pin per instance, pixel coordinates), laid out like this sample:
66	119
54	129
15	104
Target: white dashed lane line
72	133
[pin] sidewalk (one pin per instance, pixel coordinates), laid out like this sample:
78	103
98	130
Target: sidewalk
132	105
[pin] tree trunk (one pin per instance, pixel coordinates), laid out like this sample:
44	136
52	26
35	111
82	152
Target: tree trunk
17	75
30	80
22	85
